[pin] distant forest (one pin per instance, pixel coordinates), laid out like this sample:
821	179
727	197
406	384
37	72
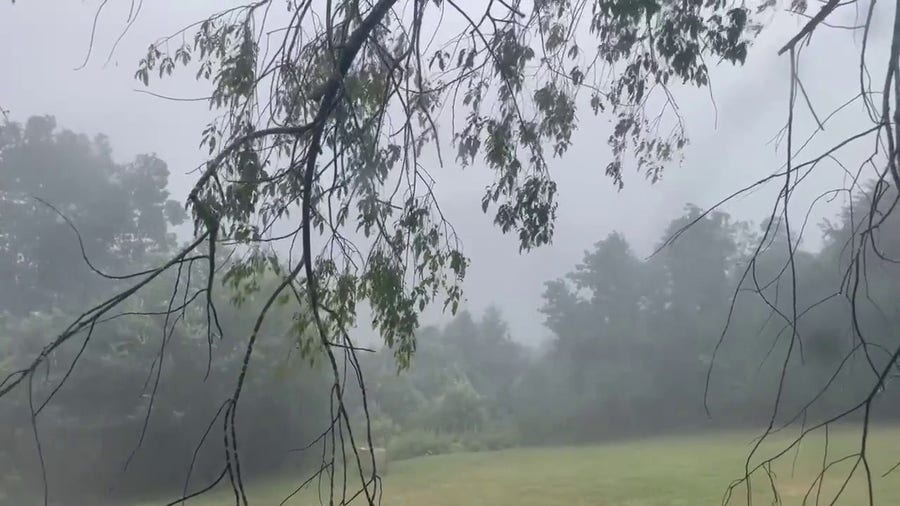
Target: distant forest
636	342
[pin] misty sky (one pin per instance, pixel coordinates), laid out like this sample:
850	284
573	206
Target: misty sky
41	45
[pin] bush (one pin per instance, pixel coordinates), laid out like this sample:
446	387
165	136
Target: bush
496	439
460	408
416	443
383	429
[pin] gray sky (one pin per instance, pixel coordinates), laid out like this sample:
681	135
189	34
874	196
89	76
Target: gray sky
40	46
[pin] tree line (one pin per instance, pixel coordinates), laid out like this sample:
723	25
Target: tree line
678	341
694	337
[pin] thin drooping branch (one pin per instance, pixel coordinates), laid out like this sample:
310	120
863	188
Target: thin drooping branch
91	316
854	282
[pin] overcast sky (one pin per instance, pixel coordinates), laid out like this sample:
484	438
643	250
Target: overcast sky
42	44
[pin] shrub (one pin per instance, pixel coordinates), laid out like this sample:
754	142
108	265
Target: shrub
496	439
460	408
416	443
383	429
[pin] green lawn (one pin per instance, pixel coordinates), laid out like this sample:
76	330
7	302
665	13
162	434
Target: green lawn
687	470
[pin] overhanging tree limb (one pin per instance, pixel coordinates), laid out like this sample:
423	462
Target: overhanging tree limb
811	25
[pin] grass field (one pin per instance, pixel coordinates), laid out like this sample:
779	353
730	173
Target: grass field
666	471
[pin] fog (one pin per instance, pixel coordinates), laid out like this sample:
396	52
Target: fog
517	359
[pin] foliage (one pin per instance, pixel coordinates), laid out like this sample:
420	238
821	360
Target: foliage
308	125
459	408
638	342
455	396
47	176
421	442
635	340
127	417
